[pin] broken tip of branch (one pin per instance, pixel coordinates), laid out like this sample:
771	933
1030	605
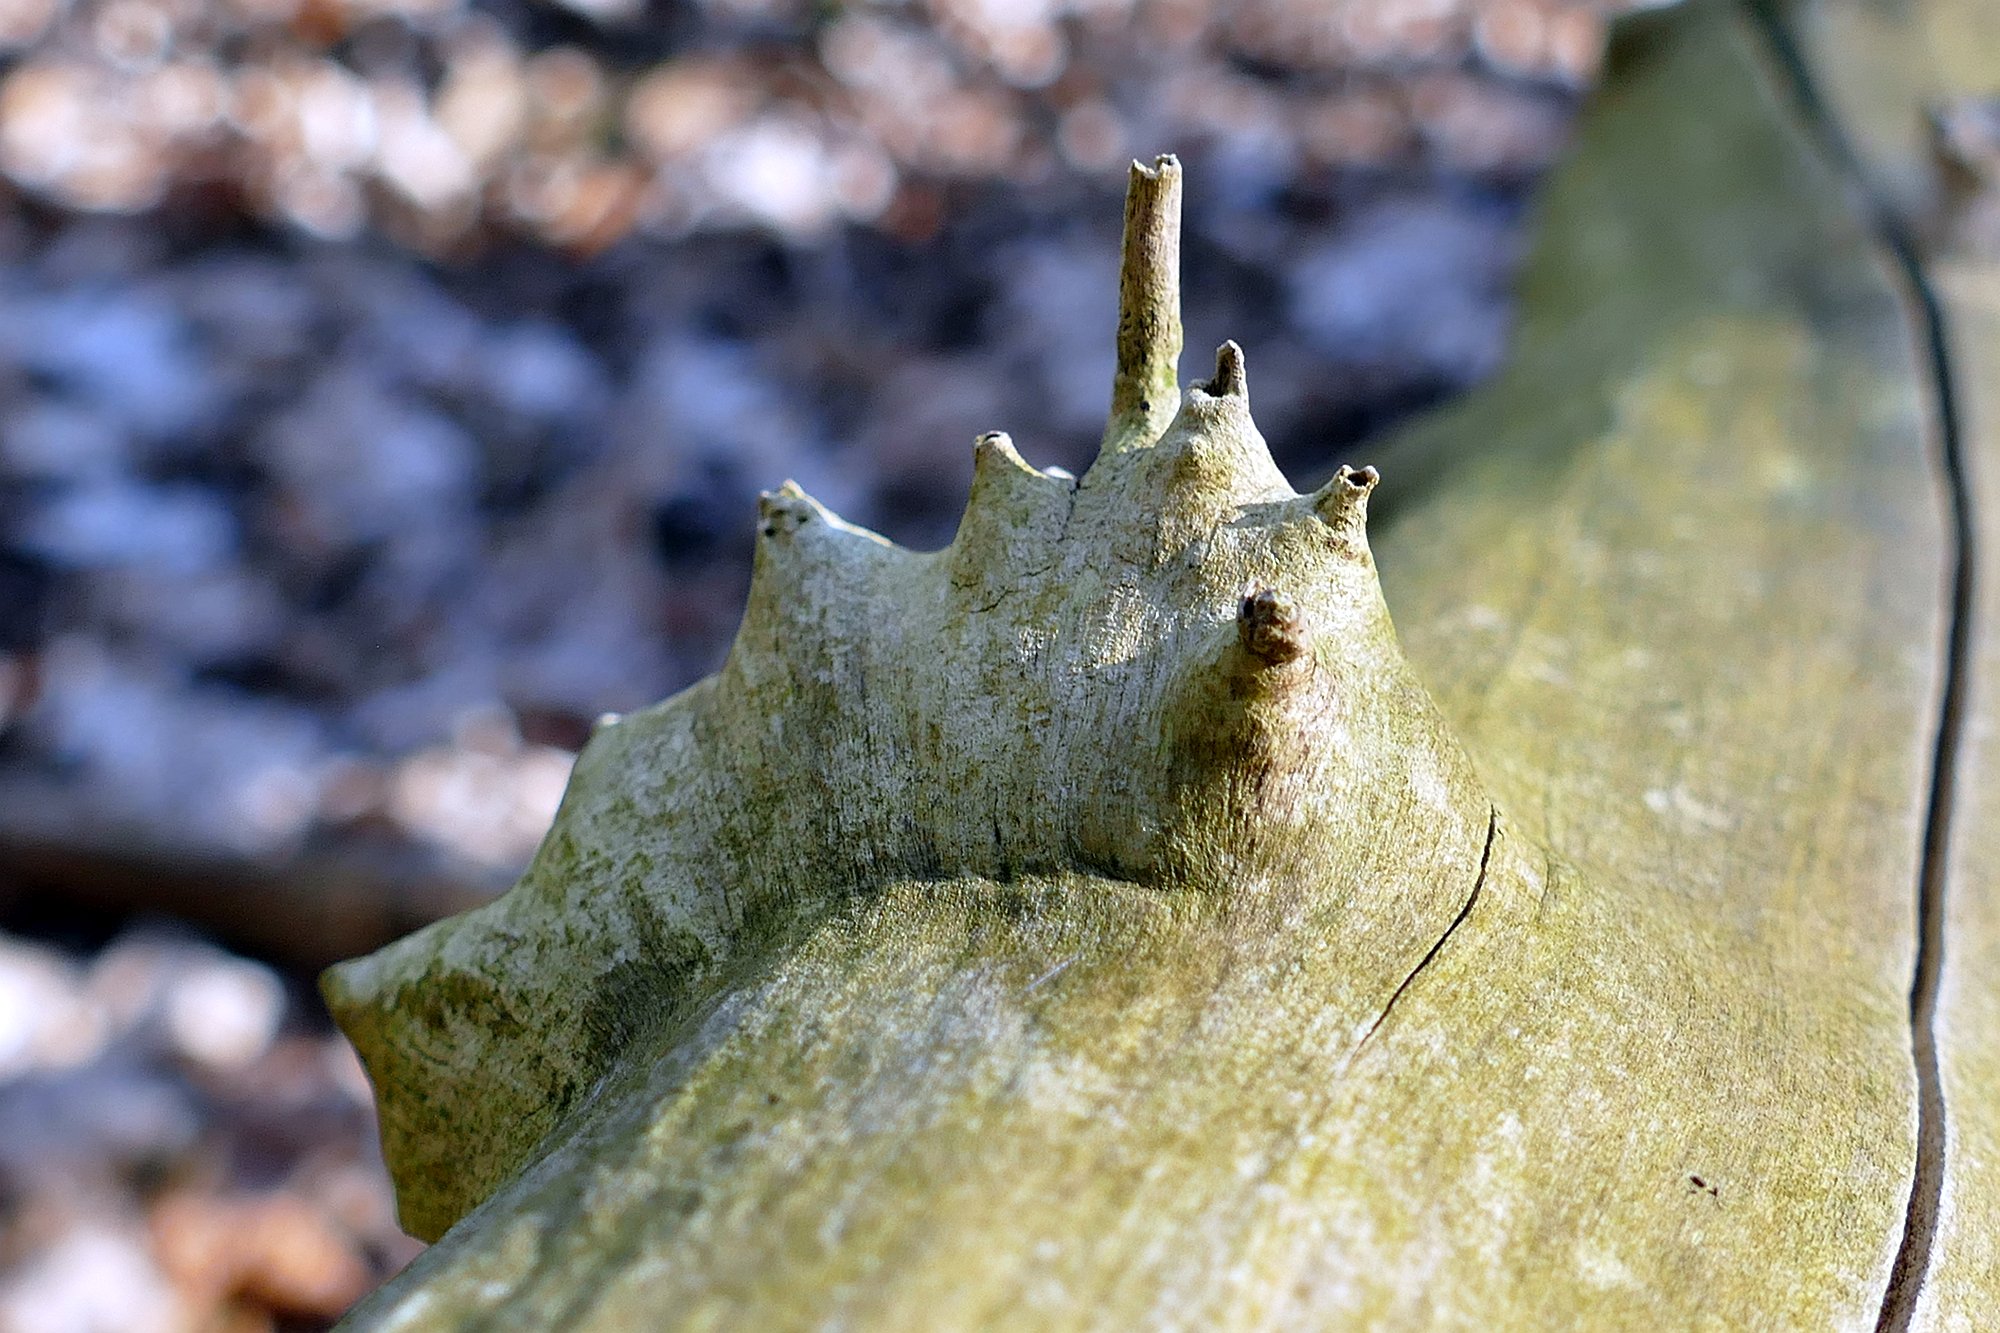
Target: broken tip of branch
995	448
1343	501
1146	386
784	510
1271	627
1230	379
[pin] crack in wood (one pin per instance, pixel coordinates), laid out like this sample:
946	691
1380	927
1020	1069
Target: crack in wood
1478	883
1893	234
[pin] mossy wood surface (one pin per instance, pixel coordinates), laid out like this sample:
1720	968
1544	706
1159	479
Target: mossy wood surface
1097	924
1962	1288
1886	72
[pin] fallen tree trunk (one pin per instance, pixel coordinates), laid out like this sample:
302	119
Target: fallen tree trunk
1096	924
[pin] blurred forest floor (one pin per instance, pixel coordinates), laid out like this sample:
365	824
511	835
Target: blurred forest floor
385	386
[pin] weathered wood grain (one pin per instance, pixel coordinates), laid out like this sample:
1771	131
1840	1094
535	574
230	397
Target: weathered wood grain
1685	602
1045	960
1961	1273
1879	77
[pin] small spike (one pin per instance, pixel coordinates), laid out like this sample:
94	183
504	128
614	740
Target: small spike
1146	389
1271	627
1343	501
1218	459
810	567
1011	504
999	469
1230	380
996	449
789	510
784	511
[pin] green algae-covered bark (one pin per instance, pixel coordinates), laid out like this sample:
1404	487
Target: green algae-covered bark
1096	924
1886	76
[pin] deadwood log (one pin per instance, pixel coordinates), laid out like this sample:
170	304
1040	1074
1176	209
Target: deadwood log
1098	924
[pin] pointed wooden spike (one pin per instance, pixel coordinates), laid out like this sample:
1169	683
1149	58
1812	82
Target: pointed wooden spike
996	449
784	510
1230	379
1146	388
1343	501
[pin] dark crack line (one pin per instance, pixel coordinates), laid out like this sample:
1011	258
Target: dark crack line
1471	899
1892	233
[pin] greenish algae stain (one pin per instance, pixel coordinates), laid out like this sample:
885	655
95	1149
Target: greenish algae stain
1033	939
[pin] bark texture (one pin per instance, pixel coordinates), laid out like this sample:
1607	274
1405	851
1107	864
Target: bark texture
1096	924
